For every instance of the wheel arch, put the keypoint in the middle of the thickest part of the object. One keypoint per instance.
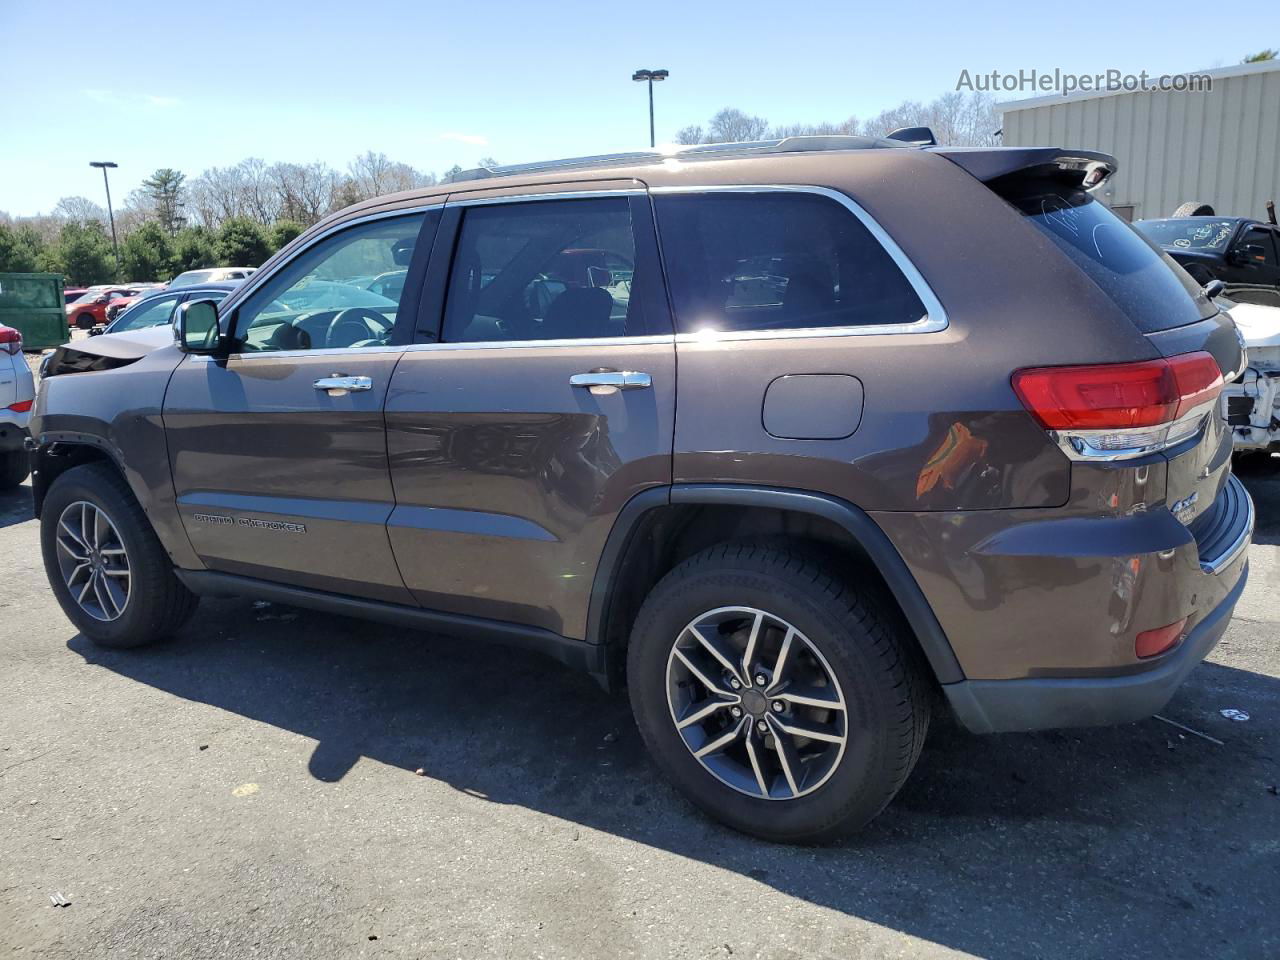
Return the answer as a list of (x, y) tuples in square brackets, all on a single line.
[(660, 527), (56, 455)]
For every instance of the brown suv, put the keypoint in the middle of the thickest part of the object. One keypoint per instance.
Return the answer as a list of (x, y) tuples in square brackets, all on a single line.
[(784, 437)]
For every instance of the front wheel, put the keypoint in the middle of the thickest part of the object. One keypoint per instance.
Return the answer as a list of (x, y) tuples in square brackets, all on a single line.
[(778, 699), (108, 570)]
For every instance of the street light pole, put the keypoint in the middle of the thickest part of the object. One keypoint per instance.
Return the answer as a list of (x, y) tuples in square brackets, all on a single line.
[(651, 76), (115, 247)]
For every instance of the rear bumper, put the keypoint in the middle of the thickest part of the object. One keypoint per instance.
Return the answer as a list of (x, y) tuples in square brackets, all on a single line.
[(995, 706)]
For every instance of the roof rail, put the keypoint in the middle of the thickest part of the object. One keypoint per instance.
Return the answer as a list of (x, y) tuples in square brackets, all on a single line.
[(699, 151)]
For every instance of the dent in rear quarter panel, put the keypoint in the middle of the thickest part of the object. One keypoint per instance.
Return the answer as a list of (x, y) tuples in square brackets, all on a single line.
[(119, 411)]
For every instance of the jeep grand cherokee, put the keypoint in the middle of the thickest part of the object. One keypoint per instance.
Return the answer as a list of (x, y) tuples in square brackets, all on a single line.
[(791, 439)]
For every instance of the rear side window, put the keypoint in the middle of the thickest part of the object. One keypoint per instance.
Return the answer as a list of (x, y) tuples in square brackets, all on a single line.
[(777, 261), (1139, 277)]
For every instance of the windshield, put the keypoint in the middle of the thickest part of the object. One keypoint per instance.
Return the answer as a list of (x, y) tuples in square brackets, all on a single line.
[(1139, 277), (191, 277), (89, 296), (1189, 233)]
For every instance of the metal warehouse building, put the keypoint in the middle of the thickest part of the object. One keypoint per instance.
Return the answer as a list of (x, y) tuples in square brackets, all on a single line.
[(1221, 147)]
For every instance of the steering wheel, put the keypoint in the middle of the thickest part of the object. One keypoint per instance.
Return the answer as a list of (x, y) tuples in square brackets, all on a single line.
[(353, 325)]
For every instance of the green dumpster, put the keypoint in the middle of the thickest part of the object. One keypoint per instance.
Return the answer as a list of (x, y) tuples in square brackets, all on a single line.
[(32, 303)]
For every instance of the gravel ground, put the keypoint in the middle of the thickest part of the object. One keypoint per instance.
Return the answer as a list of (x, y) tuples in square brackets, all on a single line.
[(276, 783)]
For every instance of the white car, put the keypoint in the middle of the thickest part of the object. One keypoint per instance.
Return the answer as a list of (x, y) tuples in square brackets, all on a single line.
[(17, 392), (212, 275), (1253, 399)]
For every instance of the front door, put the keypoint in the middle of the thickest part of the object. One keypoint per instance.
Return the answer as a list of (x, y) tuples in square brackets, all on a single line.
[(545, 402), (278, 452)]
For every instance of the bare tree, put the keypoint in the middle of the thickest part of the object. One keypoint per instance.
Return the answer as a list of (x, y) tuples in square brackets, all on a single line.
[(79, 210), (690, 134), (259, 197), (731, 125), (305, 190)]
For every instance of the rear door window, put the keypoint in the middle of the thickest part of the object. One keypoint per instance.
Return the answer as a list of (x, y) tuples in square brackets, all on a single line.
[(775, 261), (544, 270), (1140, 278)]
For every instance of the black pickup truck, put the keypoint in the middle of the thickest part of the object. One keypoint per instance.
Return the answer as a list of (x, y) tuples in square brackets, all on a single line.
[(1235, 250)]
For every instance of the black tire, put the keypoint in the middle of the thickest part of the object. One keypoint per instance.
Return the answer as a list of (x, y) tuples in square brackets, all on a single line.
[(158, 603), (15, 466), (85, 321), (1194, 208), (886, 693)]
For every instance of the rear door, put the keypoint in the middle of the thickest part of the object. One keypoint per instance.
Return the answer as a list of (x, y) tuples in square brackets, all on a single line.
[(278, 451), (539, 400)]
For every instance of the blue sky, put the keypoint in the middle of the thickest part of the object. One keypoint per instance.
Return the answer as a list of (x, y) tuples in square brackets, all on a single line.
[(185, 85)]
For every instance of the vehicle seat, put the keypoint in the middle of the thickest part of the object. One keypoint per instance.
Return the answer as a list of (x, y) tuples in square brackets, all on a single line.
[(579, 312), (289, 337)]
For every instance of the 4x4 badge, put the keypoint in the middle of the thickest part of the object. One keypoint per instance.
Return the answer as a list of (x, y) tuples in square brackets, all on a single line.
[(1182, 508)]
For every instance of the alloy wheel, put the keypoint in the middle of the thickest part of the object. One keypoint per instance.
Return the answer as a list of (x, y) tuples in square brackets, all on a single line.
[(93, 561), (756, 703)]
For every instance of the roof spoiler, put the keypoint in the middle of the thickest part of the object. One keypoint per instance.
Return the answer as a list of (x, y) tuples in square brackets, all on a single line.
[(916, 136), (1084, 168)]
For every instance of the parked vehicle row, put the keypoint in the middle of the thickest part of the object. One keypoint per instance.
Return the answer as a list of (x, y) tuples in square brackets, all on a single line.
[(734, 428)]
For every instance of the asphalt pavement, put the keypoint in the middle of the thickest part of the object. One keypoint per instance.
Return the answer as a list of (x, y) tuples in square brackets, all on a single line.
[(280, 784)]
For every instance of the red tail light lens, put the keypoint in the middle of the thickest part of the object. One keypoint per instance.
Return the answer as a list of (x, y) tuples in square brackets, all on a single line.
[(1118, 396), (1149, 643), (10, 341), (22, 406)]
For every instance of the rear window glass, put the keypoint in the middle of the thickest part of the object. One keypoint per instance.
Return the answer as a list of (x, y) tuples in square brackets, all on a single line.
[(770, 261), (1139, 277), (1194, 233)]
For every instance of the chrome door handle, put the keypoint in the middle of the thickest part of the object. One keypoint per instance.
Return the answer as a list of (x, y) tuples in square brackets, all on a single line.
[(612, 380), (339, 386)]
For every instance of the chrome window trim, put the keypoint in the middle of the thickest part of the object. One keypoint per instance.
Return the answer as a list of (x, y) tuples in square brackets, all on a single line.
[(646, 340), (261, 275), (933, 321)]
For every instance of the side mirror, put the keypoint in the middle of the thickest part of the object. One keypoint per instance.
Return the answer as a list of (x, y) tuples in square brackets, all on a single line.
[(195, 327), (599, 276), (1214, 288), (1247, 255), (100, 300)]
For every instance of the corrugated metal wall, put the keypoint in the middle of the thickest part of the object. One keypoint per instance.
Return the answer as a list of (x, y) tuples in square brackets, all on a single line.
[(1221, 147)]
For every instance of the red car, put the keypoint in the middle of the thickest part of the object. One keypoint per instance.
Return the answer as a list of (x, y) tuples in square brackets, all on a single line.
[(91, 307), (121, 304)]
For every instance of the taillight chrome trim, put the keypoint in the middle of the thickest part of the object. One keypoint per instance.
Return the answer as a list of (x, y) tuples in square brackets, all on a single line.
[(1077, 445)]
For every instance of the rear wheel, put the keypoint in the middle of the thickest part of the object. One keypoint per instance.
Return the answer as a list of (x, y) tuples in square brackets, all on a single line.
[(1194, 208), (108, 570), (14, 468), (778, 699)]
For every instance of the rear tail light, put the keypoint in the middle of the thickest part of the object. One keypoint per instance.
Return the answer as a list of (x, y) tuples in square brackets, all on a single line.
[(1117, 410), (22, 406), (1150, 643), (10, 341)]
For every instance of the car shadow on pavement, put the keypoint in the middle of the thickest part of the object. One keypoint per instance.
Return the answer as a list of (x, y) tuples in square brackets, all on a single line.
[(1109, 842), (16, 506)]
